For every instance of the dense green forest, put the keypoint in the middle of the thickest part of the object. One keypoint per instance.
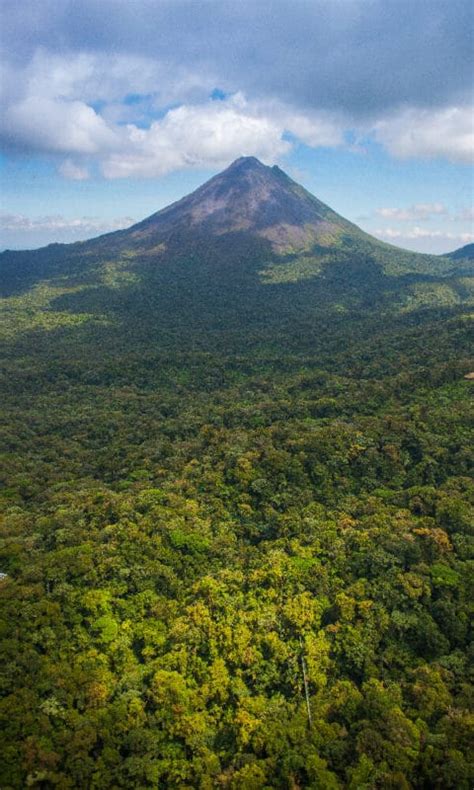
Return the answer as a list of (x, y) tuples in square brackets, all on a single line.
[(238, 516)]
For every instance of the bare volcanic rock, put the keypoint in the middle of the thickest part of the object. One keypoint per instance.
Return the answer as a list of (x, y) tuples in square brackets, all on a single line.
[(249, 196)]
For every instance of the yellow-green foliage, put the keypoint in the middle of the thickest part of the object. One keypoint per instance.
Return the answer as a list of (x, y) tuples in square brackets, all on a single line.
[(236, 533), (35, 310), (301, 268), (468, 284), (443, 294), (426, 294), (115, 275)]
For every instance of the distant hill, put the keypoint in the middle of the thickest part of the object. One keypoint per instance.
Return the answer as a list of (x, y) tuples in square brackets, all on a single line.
[(463, 253)]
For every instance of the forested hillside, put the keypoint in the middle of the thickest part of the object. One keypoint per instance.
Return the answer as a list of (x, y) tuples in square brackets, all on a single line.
[(238, 513)]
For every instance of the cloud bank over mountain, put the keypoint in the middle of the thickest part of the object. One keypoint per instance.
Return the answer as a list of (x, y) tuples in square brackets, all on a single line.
[(37, 230), (128, 90)]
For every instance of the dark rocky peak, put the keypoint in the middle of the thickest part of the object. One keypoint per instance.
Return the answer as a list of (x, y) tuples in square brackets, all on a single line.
[(252, 197)]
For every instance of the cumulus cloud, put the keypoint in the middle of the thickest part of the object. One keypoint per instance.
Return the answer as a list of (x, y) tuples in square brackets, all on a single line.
[(424, 212), (315, 129), (127, 85), (418, 212), (424, 239), (55, 125), (98, 106), (18, 231), (423, 233), (205, 134), (100, 76), (212, 134), (429, 133), (77, 102), (81, 225)]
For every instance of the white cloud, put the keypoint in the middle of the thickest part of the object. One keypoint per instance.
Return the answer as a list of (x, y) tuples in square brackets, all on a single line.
[(423, 239), (143, 116), (105, 107), (313, 129), (75, 172), (420, 211), (212, 133), (104, 77), (422, 233), (429, 133), (18, 231), (55, 125), (207, 134), (81, 225)]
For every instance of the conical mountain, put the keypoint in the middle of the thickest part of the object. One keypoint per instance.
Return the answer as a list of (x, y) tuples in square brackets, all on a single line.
[(286, 232), (255, 201), (251, 197)]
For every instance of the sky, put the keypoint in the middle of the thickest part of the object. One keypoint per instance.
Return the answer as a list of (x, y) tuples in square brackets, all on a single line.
[(112, 109)]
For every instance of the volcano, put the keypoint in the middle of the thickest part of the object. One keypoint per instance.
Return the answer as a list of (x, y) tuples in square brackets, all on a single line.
[(251, 197), (251, 207)]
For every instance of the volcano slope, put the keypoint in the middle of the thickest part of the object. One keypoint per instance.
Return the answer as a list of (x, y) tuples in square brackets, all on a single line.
[(237, 503)]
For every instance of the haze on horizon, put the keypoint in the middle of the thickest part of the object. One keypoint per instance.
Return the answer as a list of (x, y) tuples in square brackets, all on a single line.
[(112, 110)]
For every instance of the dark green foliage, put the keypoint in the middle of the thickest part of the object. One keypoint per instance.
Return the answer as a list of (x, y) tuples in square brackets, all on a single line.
[(466, 252)]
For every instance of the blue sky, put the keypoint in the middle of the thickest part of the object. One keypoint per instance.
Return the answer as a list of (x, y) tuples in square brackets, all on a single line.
[(113, 109)]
